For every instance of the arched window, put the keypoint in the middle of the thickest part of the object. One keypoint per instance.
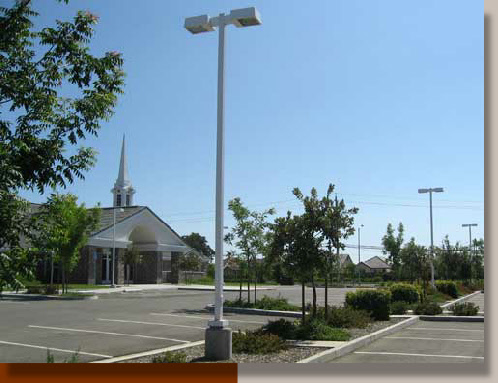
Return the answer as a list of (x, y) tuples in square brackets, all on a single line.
[(127, 200), (118, 199)]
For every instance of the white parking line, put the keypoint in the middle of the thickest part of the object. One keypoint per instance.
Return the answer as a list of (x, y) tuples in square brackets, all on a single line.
[(440, 339), (14, 302), (402, 353), (204, 318), (55, 349), (151, 323), (107, 333), (440, 328)]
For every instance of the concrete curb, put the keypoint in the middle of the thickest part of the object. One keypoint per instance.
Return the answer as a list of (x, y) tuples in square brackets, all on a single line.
[(42, 297), (328, 355), (451, 318), (449, 304), (149, 353), (241, 310), (225, 288)]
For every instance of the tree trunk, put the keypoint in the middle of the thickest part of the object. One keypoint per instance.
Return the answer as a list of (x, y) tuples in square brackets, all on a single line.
[(128, 274), (52, 270), (303, 303), (255, 280), (248, 285), (326, 296), (240, 287), (314, 296)]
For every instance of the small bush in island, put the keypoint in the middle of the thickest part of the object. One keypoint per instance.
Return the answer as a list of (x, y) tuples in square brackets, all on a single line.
[(313, 329), (404, 292), (465, 309), (170, 357), (265, 303), (256, 342), (448, 288), (428, 308), (399, 308), (376, 302), (317, 329), (345, 317)]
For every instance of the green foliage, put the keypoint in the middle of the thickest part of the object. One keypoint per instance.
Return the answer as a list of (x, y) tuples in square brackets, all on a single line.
[(428, 308), (345, 317), (63, 228), (74, 358), (392, 246), (170, 357), (374, 301), (447, 287), (399, 308), (404, 292), (285, 329), (41, 127), (265, 303), (256, 342), (317, 329), (465, 309), (249, 236), (210, 271), (199, 243)]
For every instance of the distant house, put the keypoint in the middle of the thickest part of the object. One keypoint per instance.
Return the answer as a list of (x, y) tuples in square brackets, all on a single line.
[(374, 265), (344, 260)]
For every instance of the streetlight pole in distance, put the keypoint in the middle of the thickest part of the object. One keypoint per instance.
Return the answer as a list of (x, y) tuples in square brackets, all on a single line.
[(469, 225), (218, 340), (359, 232), (430, 191)]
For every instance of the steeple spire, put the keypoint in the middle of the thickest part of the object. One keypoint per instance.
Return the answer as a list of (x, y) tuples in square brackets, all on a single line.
[(123, 167), (123, 191)]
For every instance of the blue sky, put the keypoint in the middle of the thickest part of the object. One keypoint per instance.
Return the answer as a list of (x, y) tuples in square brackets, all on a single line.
[(379, 98)]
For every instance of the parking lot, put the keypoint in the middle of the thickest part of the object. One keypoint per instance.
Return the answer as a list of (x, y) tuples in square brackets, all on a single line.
[(426, 342), (113, 325)]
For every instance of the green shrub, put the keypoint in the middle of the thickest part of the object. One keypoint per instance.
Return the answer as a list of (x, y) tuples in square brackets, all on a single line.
[(399, 308), (345, 317), (465, 309), (51, 290), (317, 329), (428, 308), (447, 287), (170, 357), (36, 289), (265, 303), (283, 328), (256, 342), (376, 302), (404, 292)]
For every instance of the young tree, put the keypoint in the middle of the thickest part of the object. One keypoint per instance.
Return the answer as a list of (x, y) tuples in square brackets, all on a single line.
[(392, 246), (40, 123), (199, 243), (131, 257), (336, 223), (188, 262), (412, 258), (63, 227), (248, 236)]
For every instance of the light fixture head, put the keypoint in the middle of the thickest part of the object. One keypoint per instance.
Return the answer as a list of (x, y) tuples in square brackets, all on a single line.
[(421, 191), (438, 190), (245, 17), (198, 24)]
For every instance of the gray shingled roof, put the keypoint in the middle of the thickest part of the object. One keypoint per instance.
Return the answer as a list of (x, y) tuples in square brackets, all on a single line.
[(107, 215), (377, 263)]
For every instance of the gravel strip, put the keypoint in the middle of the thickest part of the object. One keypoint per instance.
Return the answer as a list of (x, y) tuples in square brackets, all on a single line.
[(292, 355)]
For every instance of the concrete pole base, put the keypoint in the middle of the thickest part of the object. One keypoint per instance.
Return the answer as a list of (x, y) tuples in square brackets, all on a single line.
[(218, 343)]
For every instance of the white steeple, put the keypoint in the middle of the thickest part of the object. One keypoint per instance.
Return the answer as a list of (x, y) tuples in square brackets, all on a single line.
[(123, 191)]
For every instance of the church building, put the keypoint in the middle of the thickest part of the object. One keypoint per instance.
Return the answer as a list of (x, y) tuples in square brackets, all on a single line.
[(123, 227)]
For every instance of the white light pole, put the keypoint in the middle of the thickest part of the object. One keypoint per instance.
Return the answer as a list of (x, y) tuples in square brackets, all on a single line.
[(218, 344), (469, 225), (359, 232), (114, 242), (430, 191)]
